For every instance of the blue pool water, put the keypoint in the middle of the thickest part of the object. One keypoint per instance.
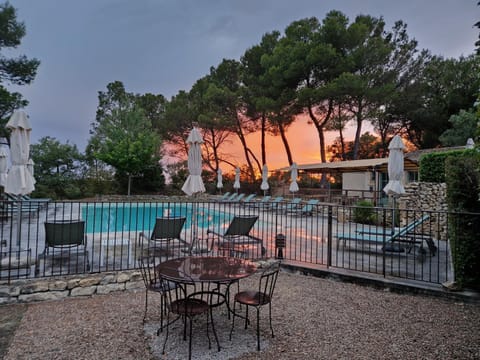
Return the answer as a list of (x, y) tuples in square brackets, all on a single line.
[(117, 217)]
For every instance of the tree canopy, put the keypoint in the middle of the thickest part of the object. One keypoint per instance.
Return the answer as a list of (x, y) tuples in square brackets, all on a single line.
[(122, 135), (13, 71)]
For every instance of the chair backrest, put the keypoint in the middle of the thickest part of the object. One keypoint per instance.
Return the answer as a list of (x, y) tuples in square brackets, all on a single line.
[(268, 280), (168, 228), (310, 204), (277, 200), (239, 197), (150, 276), (177, 288), (249, 198), (409, 227), (231, 197), (64, 233), (241, 225), (265, 199), (224, 196)]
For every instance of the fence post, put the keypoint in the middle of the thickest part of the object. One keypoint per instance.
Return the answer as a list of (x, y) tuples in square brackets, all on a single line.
[(329, 236), (384, 257)]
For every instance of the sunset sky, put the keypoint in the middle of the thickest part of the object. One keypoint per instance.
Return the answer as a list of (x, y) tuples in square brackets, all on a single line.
[(303, 140), (163, 47)]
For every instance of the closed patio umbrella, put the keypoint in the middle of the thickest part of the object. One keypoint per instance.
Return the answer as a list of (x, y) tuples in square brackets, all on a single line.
[(394, 186), (19, 180), (236, 184), (194, 183), (219, 179), (264, 186), (3, 164), (293, 177)]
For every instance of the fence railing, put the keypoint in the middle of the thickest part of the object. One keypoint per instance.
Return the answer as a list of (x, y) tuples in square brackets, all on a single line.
[(115, 234)]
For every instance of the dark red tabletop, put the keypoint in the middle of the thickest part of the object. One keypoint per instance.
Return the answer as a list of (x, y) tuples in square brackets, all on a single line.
[(207, 268)]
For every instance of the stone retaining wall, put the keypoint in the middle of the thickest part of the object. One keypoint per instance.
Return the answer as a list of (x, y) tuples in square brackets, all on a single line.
[(426, 196), (28, 290)]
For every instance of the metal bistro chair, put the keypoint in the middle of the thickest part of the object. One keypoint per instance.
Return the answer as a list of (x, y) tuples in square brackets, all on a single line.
[(258, 298), (186, 301), (153, 284)]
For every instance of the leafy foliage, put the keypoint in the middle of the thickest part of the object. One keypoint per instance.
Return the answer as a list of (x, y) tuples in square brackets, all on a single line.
[(58, 169), (16, 71), (463, 195), (463, 127), (122, 135), (363, 212), (432, 166)]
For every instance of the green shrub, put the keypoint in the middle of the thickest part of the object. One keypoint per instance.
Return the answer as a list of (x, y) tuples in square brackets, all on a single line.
[(463, 184), (364, 213), (432, 166)]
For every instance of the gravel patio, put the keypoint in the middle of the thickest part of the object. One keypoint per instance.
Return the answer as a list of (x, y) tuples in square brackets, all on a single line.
[(313, 318)]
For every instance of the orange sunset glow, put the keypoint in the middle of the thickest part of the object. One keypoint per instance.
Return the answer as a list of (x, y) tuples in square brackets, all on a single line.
[(303, 140)]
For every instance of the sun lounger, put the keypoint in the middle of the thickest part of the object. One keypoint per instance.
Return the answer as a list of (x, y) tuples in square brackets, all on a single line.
[(235, 198), (260, 203), (274, 204), (224, 196), (249, 199), (291, 206), (237, 234), (400, 241), (306, 209)]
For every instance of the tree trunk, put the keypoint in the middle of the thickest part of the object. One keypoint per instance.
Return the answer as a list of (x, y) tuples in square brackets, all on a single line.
[(358, 132), (285, 144), (243, 141), (319, 125), (129, 184)]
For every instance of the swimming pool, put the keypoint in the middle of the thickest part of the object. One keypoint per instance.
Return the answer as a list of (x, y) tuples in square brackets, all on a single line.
[(123, 217)]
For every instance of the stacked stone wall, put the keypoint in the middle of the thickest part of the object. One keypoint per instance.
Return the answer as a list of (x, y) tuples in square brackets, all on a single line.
[(426, 196), (28, 290)]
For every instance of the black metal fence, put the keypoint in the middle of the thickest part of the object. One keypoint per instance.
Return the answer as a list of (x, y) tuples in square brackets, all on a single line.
[(408, 244)]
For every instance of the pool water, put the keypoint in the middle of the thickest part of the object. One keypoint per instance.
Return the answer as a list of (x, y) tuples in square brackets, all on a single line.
[(118, 217)]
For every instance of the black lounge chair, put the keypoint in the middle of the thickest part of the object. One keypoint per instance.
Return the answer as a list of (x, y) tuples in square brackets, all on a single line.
[(66, 244), (238, 234), (165, 237)]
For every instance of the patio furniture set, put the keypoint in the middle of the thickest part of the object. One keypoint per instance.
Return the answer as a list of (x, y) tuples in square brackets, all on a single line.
[(197, 284)]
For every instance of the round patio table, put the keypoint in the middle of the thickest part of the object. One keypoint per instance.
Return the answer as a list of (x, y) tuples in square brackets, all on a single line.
[(216, 269)]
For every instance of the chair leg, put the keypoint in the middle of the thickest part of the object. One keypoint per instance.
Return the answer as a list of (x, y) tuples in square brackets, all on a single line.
[(270, 315), (258, 328), (146, 306), (166, 335), (246, 316), (214, 331), (233, 320), (208, 333), (190, 340), (162, 309)]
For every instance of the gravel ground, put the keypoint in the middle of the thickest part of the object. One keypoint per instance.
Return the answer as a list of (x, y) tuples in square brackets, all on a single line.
[(313, 318)]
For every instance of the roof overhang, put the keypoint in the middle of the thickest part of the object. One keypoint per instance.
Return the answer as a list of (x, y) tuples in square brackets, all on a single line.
[(362, 165)]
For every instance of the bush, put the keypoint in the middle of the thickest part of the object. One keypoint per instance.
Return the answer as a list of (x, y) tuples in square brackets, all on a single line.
[(364, 213), (463, 191), (432, 166)]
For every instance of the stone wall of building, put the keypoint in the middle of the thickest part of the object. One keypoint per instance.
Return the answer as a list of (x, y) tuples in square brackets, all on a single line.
[(424, 196), (28, 290)]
